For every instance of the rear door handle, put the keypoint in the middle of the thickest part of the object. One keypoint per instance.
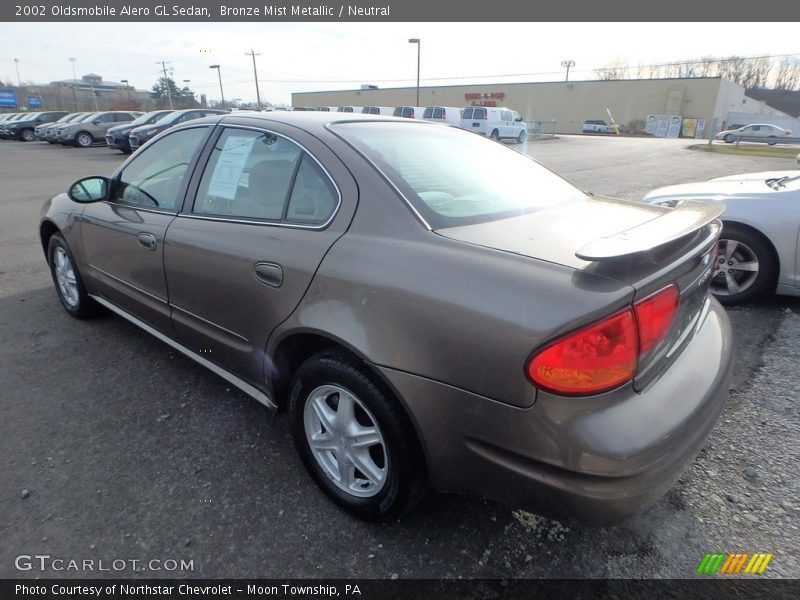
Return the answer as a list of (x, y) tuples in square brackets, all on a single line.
[(147, 241), (269, 273)]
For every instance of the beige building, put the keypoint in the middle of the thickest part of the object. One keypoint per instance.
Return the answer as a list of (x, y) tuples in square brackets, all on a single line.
[(569, 104)]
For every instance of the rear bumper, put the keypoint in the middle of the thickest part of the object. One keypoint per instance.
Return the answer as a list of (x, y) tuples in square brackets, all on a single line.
[(593, 460)]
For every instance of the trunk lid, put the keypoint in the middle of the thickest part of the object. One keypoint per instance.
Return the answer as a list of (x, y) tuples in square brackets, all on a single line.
[(645, 246)]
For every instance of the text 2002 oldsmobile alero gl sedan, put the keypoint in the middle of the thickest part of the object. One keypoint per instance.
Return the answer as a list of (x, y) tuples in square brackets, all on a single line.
[(431, 308)]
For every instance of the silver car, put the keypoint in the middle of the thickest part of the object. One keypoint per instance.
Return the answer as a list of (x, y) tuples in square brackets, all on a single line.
[(758, 250), (93, 129), (755, 132)]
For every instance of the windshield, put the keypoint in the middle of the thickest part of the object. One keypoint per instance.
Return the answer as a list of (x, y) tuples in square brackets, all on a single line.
[(148, 118), (170, 118), (454, 177), (67, 118), (88, 117)]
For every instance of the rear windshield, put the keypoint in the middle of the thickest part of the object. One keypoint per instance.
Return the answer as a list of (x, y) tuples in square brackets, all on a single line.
[(454, 177)]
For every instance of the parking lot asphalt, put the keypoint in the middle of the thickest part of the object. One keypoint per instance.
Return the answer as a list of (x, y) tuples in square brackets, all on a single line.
[(113, 446)]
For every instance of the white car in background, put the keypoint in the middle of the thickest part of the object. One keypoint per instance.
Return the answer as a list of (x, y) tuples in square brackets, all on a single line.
[(759, 249), (755, 132)]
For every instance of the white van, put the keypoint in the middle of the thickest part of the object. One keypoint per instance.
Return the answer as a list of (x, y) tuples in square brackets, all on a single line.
[(378, 110), (408, 112), (349, 109), (496, 123), (443, 114)]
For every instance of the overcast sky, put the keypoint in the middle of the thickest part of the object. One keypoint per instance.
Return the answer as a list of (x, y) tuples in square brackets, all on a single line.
[(315, 56)]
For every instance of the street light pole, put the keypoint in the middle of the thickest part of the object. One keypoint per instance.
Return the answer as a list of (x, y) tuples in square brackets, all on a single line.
[(19, 79), (419, 46), (255, 74), (567, 63), (74, 84), (219, 74)]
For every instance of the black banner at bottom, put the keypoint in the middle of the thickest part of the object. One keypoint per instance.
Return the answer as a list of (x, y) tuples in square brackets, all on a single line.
[(417, 589)]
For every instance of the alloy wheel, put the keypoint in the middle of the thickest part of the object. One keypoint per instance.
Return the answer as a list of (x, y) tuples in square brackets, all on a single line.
[(736, 269), (346, 441), (65, 276)]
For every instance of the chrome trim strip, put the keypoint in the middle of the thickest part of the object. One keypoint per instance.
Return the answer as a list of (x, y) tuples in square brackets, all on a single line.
[(207, 322), (130, 285), (263, 222), (229, 377)]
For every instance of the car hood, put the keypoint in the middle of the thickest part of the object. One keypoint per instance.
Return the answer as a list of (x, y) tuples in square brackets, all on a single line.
[(720, 190), (760, 176), (144, 128), (120, 128), (578, 233)]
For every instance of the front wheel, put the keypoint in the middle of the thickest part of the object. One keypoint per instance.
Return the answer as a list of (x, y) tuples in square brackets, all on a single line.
[(354, 438), (523, 135), (746, 267), (729, 139), (28, 135), (67, 279), (84, 139)]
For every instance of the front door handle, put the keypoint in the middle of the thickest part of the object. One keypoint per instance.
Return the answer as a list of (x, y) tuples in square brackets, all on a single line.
[(268, 273), (147, 241)]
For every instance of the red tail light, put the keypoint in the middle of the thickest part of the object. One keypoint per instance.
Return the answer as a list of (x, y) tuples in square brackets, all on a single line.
[(654, 317), (604, 355)]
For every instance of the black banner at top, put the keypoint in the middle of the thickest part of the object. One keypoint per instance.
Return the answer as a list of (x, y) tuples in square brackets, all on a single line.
[(395, 10)]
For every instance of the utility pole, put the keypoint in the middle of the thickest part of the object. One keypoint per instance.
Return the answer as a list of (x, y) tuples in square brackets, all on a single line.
[(127, 92), (567, 63), (19, 80), (166, 80), (219, 74), (255, 74), (418, 42)]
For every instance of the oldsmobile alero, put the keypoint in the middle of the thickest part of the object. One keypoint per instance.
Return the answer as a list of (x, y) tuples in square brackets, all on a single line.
[(431, 308)]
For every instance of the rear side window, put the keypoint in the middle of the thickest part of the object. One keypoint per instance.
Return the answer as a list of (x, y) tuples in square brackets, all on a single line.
[(428, 114), (453, 177), (398, 112), (467, 113), (264, 176), (479, 113)]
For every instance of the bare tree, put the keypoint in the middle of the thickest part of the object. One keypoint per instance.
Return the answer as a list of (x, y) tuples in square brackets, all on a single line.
[(788, 74), (617, 69)]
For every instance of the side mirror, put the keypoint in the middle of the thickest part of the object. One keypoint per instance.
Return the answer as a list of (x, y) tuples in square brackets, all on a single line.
[(89, 189)]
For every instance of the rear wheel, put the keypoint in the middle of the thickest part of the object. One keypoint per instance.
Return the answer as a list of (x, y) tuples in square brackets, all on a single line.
[(354, 438), (84, 139), (746, 267), (68, 281), (773, 140)]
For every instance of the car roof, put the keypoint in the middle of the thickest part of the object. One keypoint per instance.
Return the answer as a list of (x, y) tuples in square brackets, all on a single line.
[(308, 120)]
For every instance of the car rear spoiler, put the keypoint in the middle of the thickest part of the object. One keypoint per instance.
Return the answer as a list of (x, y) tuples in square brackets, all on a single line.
[(686, 218)]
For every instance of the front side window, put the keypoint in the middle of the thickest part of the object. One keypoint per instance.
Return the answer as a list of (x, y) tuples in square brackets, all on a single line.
[(453, 177), (154, 178), (264, 176)]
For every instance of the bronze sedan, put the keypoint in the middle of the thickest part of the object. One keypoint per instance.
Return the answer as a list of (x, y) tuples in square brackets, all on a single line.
[(432, 308)]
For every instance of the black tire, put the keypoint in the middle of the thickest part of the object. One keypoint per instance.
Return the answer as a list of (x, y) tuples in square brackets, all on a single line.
[(775, 140), (749, 245), (729, 139), (82, 306), (523, 135), (405, 482), (27, 135), (495, 135), (84, 139)]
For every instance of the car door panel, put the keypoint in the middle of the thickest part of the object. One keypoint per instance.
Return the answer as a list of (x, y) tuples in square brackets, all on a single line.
[(123, 238), (233, 280)]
